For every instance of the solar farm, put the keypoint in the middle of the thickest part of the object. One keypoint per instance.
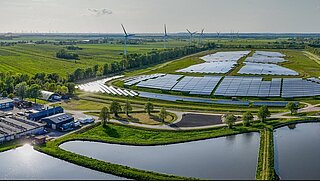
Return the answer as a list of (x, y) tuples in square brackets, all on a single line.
[(260, 63), (266, 69), (220, 63), (99, 86), (249, 87)]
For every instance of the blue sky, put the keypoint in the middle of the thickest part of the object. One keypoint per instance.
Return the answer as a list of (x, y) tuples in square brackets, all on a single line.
[(150, 15)]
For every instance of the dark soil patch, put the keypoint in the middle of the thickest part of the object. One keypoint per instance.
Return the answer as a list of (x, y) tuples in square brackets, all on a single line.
[(194, 120)]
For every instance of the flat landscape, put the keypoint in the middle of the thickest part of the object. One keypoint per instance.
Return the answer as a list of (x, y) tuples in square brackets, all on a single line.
[(159, 90)]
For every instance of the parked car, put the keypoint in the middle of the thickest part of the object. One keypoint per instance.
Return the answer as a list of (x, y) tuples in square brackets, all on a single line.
[(77, 124), (86, 120)]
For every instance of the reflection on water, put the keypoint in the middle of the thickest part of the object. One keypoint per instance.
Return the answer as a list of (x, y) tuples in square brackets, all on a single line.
[(26, 163), (292, 126), (297, 151), (232, 157)]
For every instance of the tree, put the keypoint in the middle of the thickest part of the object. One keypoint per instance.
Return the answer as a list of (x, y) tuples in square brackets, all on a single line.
[(34, 92), (247, 118), (229, 119), (104, 115), (4, 94), (263, 113), (148, 107), (64, 90), (163, 114), (115, 108), (127, 108), (21, 90), (292, 107)]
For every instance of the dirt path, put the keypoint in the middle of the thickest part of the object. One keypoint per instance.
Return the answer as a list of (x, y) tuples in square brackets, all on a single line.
[(265, 165), (312, 56)]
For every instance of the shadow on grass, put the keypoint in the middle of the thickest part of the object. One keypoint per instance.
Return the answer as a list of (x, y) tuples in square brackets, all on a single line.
[(111, 131)]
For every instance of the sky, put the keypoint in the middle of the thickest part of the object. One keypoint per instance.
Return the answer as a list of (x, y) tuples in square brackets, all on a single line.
[(149, 16)]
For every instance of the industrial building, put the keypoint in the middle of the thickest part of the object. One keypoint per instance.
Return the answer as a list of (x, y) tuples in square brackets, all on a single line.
[(50, 96), (45, 113), (12, 127), (6, 103), (60, 121)]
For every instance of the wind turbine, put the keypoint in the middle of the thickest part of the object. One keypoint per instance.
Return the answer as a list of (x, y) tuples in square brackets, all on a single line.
[(218, 35), (201, 36), (191, 35), (126, 35), (165, 37)]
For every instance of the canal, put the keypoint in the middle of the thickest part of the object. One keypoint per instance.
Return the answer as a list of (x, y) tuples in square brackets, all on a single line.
[(231, 157)]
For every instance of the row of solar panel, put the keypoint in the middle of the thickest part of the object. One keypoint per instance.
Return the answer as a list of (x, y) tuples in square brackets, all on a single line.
[(134, 80), (203, 100), (265, 69)]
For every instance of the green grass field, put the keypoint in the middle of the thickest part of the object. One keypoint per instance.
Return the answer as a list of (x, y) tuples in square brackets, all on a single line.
[(32, 58)]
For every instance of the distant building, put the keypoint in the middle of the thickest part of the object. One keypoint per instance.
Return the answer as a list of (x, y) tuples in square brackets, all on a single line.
[(50, 96), (45, 113), (60, 121), (6, 103)]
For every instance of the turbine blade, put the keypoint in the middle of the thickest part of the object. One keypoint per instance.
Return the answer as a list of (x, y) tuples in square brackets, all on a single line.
[(124, 30), (189, 31), (165, 30)]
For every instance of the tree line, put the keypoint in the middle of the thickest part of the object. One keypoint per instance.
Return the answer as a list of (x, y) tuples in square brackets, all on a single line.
[(137, 60), (13, 84)]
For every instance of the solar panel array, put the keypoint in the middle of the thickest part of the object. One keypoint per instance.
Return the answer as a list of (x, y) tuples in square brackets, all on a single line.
[(133, 80), (263, 59), (269, 54), (210, 67), (297, 87), (225, 56), (99, 86), (248, 86), (209, 101), (220, 62), (197, 85), (266, 69), (313, 79), (165, 82)]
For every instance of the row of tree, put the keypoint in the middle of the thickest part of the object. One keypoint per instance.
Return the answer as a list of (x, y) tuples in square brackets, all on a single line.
[(136, 60), (262, 115), (50, 82), (115, 108), (247, 117)]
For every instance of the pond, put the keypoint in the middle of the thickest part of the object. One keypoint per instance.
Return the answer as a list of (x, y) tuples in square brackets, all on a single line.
[(297, 151), (26, 163), (231, 157)]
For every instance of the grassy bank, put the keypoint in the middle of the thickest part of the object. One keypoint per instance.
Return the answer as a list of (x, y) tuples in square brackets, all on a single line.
[(10, 145)]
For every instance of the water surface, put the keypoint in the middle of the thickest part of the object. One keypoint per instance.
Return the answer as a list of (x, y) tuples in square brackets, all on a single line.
[(26, 163), (231, 157), (297, 151)]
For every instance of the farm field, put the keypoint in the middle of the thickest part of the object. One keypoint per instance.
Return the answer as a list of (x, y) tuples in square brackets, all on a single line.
[(32, 58)]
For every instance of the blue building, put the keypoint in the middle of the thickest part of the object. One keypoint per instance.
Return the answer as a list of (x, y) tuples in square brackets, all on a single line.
[(45, 113), (60, 121), (6, 103)]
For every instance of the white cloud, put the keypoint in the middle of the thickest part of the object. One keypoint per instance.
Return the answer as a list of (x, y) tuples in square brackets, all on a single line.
[(99, 12)]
